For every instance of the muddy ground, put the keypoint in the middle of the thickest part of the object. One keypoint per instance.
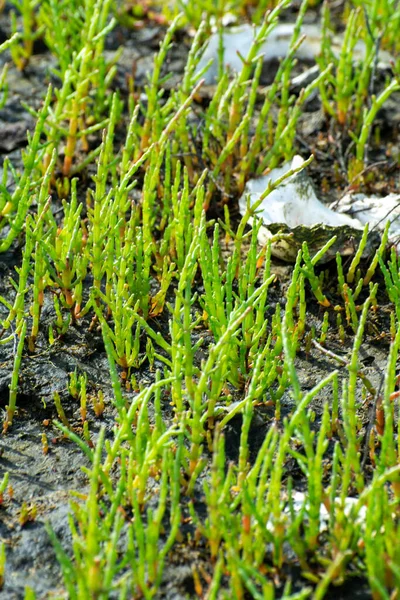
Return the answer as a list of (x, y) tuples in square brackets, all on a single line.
[(45, 480)]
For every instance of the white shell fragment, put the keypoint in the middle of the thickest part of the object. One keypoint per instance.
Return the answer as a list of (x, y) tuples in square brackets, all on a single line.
[(275, 47), (240, 39), (374, 210), (294, 204), (300, 500)]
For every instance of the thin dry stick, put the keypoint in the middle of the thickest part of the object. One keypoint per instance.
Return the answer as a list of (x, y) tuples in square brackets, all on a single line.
[(375, 394), (346, 363)]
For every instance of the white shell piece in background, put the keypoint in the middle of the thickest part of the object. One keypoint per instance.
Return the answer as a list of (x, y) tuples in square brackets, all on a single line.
[(240, 39), (275, 47), (373, 210), (300, 500)]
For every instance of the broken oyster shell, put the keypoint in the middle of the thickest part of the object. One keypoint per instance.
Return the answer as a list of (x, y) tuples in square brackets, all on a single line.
[(295, 213)]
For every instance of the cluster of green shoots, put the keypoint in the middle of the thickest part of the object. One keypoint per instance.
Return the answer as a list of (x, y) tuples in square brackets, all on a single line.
[(132, 252), (349, 92)]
